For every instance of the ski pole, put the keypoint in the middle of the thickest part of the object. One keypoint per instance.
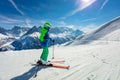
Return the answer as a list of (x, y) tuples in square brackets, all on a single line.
[(53, 51)]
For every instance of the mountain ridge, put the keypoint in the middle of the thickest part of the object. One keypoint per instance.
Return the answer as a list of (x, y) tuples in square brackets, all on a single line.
[(30, 38), (100, 33)]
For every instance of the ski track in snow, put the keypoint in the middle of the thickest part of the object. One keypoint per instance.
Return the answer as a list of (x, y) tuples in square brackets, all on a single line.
[(88, 62)]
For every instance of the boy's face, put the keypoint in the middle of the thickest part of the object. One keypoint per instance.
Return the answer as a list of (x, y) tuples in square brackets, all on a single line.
[(47, 28)]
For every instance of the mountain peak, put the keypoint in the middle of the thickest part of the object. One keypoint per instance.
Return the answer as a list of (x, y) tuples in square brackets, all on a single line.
[(18, 31), (32, 30), (3, 31)]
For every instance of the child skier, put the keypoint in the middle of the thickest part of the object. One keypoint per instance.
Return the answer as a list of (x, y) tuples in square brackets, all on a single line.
[(45, 40)]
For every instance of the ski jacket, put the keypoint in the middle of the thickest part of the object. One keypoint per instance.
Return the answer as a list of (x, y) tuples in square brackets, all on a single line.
[(44, 37)]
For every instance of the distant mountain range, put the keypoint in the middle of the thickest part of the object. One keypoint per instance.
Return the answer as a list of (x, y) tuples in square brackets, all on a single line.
[(28, 38), (19, 38), (18, 31)]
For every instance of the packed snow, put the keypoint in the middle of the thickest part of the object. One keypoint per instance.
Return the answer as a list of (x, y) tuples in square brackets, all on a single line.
[(3, 36), (87, 62)]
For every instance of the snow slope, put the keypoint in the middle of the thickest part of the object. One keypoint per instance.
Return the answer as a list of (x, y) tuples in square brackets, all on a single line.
[(5, 38), (88, 62), (113, 36), (107, 32)]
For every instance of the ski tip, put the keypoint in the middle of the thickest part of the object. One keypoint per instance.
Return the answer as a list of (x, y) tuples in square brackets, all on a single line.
[(57, 61)]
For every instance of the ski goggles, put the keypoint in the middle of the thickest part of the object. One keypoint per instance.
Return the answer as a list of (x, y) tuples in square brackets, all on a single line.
[(47, 28)]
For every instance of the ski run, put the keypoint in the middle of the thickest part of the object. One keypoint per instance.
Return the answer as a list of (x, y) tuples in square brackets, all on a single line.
[(87, 62)]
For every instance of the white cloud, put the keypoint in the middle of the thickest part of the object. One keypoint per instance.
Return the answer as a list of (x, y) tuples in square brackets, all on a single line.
[(72, 26), (81, 5), (15, 6), (28, 23), (91, 19), (105, 2), (42, 21), (4, 19), (62, 23), (89, 28)]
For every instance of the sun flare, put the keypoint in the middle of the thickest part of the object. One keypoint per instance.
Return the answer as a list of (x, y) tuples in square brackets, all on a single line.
[(86, 1)]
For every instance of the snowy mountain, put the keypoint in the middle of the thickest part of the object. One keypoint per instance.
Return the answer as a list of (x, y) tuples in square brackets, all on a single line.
[(18, 31), (5, 37), (64, 34), (4, 31), (23, 39), (8, 37), (29, 38), (107, 32)]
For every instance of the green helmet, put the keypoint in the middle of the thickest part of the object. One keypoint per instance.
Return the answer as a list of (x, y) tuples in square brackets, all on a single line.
[(47, 24)]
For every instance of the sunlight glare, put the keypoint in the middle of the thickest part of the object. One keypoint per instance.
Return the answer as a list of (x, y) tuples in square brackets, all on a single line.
[(86, 1)]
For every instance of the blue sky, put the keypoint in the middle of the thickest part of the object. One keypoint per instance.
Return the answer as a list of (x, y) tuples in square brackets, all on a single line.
[(83, 14)]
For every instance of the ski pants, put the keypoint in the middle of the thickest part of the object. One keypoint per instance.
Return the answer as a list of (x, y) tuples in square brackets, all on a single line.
[(45, 52)]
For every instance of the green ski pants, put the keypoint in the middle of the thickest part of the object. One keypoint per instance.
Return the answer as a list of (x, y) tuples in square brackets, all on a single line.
[(45, 53)]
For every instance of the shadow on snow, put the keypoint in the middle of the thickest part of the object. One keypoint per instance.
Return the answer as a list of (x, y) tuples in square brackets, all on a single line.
[(29, 74)]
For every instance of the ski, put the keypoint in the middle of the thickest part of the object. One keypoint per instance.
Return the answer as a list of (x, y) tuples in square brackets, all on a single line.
[(55, 65), (60, 66), (57, 61)]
